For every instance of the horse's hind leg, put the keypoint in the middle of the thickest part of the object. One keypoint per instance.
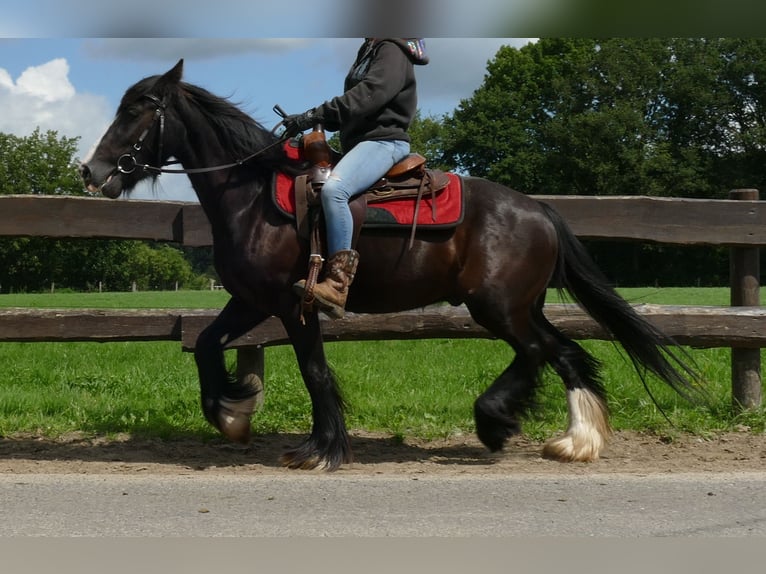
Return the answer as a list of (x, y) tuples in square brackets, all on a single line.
[(536, 342), (226, 403), (588, 427), (498, 410)]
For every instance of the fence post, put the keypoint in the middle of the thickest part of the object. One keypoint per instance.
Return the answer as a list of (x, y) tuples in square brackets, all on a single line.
[(250, 367), (744, 269)]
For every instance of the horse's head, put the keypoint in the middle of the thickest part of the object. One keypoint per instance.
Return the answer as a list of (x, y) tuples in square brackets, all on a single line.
[(133, 146)]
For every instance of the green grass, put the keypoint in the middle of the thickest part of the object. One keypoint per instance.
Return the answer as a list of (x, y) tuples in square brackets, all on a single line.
[(407, 388), (122, 300)]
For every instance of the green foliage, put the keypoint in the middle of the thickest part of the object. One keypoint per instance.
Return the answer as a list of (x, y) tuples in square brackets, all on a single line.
[(158, 267), (627, 116), (34, 264), (39, 164), (426, 136), (675, 117)]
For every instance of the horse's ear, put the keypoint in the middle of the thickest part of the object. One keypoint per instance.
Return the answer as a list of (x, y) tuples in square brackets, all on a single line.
[(175, 74)]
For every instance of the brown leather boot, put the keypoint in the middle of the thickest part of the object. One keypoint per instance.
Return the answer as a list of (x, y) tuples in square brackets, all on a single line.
[(331, 294)]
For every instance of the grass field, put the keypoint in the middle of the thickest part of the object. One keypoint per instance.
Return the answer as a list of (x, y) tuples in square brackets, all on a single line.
[(407, 388)]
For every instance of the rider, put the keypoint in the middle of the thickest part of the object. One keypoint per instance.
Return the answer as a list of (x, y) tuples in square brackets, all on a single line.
[(372, 115)]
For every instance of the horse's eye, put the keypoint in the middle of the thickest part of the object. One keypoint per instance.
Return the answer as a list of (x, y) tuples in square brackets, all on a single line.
[(134, 110)]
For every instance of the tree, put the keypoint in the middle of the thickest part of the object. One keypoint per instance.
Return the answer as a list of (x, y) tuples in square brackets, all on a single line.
[(629, 116), (427, 139), (718, 112), (39, 164), (159, 267), (34, 263), (681, 117)]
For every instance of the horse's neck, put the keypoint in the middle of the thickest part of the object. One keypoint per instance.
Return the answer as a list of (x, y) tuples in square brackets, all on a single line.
[(228, 199), (226, 195)]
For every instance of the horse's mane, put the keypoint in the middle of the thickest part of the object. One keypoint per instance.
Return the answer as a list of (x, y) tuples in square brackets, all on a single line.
[(238, 133)]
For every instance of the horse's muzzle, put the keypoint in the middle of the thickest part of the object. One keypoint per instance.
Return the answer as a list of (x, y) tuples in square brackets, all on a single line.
[(101, 181)]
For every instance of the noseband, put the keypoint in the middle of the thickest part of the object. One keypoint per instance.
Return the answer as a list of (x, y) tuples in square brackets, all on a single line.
[(127, 162)]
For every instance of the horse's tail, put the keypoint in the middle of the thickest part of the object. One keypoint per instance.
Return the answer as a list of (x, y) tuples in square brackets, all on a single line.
[(645, 344)]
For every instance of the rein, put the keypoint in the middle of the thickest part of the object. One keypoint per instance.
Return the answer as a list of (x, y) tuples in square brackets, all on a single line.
[(127, 162)]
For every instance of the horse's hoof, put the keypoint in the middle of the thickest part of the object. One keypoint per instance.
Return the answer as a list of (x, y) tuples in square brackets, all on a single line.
[(308, 457), (294, 461), (234, 419), (493, 428)]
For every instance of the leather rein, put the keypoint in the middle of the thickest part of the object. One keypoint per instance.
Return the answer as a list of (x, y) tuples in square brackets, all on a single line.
[(127, 162)]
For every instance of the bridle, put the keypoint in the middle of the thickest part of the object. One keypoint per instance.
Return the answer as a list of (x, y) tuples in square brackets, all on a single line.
[(127, 162), (159, 114)]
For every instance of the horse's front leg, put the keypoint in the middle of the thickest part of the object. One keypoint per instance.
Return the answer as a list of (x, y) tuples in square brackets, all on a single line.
[(226, 402), (327, 447)]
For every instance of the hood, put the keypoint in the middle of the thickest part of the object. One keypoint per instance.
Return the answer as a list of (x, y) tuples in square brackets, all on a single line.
[(415, 48)]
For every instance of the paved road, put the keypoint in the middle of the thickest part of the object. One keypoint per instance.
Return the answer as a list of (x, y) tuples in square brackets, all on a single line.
[(693, 505)]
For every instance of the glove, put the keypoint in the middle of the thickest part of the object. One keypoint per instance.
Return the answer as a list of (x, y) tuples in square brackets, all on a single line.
[(296, 123)]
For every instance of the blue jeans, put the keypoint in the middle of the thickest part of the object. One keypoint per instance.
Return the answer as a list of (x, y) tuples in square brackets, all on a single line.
[(360, 168)]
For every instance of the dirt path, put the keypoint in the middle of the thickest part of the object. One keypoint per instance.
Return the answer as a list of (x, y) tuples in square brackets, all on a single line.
[(628, 452)]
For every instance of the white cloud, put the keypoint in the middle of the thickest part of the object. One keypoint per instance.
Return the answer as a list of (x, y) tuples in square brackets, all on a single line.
[(43, 97), (48, 82), (6, 82)]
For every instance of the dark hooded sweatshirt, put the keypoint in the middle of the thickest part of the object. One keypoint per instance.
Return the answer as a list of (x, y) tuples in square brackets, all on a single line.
[(380, 97)]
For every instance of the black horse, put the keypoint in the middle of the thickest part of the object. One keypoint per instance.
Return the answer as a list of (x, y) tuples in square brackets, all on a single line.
[(499, 262)]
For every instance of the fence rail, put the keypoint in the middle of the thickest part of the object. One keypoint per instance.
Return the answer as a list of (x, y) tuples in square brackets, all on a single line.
[(647, 219), (738, 327), (739, 223)]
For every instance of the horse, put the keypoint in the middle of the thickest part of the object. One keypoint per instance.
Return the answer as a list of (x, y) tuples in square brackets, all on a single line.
[(499, 262)]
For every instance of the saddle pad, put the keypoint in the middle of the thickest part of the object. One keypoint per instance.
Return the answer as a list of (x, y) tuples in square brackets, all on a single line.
[(391, 213), (447, 211)]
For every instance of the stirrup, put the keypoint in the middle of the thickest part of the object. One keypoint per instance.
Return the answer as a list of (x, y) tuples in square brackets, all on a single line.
[(305, 287), (315, 266)]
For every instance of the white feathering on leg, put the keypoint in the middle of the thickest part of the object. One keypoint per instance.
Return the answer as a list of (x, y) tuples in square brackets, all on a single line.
[(587, 432)]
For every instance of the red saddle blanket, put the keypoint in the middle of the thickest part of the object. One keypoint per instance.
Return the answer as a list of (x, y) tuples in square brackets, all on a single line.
[(448, 208)]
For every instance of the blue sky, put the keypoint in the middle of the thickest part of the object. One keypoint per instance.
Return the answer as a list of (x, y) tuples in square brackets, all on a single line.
[(73, 85)]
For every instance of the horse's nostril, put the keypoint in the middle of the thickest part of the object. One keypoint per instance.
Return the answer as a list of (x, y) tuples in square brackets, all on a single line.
[(85, 172)]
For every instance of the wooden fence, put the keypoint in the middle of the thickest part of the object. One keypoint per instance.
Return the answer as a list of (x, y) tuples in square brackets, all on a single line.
[(739, 223)]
